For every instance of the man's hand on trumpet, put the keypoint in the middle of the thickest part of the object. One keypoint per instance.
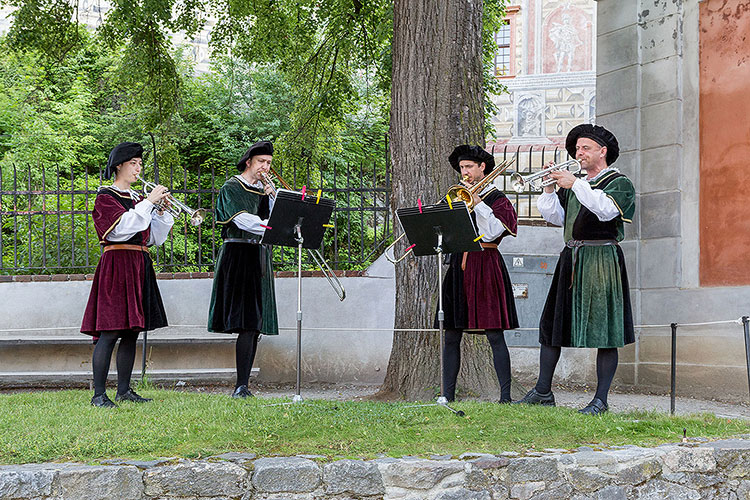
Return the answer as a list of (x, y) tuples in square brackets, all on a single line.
[(268, 186), (158, 194), (564, 178)]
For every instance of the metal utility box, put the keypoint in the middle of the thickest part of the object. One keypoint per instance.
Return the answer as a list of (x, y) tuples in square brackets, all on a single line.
[(531, 276)]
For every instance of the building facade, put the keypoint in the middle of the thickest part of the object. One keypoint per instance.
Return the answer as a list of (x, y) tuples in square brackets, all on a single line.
[(546, 58)]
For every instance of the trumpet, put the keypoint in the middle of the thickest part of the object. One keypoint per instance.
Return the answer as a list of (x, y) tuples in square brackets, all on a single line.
[(314, 254), (536, 180), (458, 193), (175, 206)]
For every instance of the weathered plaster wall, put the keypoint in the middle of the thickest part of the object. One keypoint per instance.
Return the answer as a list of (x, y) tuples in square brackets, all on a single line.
[(724, 142), (648, 95)]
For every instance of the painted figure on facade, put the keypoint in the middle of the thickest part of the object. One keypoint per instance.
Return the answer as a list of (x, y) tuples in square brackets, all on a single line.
[(477, 291), (243, 300), (565, 37), (125, 298), (530, 117), (589, 300)]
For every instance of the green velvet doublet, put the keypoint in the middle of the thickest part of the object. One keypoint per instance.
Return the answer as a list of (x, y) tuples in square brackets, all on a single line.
[(243, 296), (589, 300)]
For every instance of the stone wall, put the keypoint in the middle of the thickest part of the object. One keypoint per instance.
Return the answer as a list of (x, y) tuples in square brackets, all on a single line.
[(694, 470), (647, 86)]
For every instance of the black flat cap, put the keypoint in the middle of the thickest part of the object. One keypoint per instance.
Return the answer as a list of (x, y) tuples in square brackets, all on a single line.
[(125, 151), (259, 148), (596, 133), (473, 153)]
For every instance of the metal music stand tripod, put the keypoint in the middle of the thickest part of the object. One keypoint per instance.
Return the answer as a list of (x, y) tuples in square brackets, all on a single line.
[(435, 230), (297, 221)]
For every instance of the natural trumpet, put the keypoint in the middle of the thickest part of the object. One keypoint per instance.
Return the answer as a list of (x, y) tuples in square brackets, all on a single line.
[(175, 206), (519, 182)]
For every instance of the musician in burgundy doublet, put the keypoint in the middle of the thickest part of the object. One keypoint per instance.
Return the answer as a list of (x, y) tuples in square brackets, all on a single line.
[(124, 298), (477, 291)]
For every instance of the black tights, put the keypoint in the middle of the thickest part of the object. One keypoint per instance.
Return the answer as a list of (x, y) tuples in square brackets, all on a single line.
[(247, 345), (125, 359), (606, 366), (452, 361)]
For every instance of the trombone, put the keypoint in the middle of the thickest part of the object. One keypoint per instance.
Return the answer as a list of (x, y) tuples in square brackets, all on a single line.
[(175, 206), (519, 182), (458, 193), (314, 253)]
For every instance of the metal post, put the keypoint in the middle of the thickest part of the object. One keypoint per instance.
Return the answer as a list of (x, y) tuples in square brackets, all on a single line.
[(746, 326), (673, 390), (442, 400), (441, 320), (297, 396)]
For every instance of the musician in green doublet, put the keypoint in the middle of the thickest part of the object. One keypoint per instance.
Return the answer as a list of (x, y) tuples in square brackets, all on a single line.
[(243, 299), (589, 300)]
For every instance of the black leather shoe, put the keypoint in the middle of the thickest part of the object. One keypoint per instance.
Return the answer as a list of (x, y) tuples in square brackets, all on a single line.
[(535, 398), (595, 407), (242, 392), (505, 401), (132, 397), (102, 401)]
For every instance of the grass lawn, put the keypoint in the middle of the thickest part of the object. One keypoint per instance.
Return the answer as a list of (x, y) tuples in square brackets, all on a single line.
[(61, 426)]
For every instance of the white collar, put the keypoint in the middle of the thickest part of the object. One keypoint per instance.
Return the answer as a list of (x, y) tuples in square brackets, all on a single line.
[(246, 182), (133, 194)]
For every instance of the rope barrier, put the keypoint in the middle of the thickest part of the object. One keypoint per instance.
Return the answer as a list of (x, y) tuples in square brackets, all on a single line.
[(332, 329)]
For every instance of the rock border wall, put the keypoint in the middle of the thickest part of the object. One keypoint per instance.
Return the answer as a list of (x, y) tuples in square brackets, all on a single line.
[(691, 471)]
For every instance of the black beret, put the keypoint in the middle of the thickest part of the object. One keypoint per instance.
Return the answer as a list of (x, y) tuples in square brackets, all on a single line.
[(596, 133), (473, 153), (259, 148), (125, 151)]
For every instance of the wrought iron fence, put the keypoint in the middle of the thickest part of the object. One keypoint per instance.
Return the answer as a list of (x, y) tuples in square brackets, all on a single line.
[(46, 225)]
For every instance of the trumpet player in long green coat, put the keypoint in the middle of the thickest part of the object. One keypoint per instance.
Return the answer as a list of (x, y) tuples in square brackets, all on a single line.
[(243, 300), (589, 300)]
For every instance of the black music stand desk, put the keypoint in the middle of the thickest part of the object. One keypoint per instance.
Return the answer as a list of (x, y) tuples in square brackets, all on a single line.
[(435, 230), (297, 221)]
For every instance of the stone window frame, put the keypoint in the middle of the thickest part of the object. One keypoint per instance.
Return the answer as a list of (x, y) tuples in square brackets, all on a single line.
[(502, 70)]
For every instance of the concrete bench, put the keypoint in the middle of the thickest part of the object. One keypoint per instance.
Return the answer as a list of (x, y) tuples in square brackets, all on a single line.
[(80, 378)]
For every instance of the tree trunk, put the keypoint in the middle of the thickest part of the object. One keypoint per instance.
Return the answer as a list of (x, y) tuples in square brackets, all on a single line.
[(437, 104)]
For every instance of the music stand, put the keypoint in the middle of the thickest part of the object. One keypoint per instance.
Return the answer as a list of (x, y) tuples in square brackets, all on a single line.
[(435, 230), (297, 220)]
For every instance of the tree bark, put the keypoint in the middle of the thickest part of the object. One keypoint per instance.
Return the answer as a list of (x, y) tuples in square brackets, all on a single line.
[(437, 104)]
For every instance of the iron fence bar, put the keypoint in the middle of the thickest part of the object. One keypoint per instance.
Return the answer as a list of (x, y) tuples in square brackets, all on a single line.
[(374, 203), (44, 221), (28, 218), (15, 219), (86, 219), (361, 216), (348, 219), (199, 255), (72, 221), (336, 259), (213, 219)]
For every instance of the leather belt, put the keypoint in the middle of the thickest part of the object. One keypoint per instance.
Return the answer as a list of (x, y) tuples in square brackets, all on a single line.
[(484, 245), (242, 240), (576, 244), (125, 246)]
